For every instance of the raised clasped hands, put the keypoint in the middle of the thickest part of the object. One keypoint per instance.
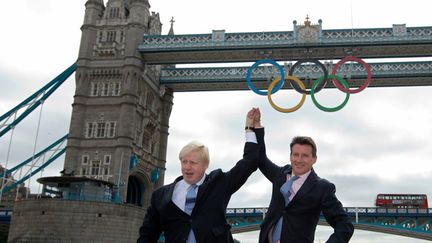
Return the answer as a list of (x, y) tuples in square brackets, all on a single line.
[(253, 118)]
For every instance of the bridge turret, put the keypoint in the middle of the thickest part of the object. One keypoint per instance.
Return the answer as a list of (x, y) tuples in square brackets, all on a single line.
[(94, 11), (116, 10), (139, 12)]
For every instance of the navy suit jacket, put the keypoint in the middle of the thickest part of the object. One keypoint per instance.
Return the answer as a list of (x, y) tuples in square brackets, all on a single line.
[(208, 216), (301, 216)]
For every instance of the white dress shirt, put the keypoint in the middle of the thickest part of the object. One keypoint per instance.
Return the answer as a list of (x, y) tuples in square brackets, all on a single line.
[(180, 191)]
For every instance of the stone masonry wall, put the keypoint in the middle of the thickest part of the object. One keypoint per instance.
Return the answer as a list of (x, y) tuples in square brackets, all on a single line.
[(56, 220)]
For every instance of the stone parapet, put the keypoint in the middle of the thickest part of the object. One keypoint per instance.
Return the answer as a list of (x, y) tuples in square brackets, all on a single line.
[(56, 220)]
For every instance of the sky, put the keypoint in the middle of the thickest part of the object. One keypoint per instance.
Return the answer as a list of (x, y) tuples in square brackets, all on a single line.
[(378, 143)]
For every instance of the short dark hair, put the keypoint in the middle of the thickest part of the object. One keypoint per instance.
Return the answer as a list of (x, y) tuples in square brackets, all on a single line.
[(302, 140)]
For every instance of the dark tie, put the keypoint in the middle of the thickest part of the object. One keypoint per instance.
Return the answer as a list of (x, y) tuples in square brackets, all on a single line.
[(189, 205), (286, 192)]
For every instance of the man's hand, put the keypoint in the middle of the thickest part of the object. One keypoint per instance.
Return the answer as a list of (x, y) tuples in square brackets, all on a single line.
[(257, 118), (250, 118)]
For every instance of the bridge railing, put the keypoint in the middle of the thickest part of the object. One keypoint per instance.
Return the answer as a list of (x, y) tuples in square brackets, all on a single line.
[(369, 211)]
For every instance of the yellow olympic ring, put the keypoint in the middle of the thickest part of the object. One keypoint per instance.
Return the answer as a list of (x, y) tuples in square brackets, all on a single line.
[(286, 110)]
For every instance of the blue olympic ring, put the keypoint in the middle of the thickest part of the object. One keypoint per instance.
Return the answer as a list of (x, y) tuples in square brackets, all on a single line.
[(249, 72)]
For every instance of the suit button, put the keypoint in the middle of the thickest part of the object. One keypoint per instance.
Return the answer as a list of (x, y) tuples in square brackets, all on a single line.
[(190, 220), (284, 211)]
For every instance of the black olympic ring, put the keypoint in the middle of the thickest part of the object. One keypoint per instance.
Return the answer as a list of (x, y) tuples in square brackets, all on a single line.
[(321, 85)]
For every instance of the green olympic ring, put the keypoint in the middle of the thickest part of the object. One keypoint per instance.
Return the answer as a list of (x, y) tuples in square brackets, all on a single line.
[(329, 109)]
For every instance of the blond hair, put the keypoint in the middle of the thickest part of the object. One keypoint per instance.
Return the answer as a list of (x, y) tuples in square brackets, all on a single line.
[(197, 147)]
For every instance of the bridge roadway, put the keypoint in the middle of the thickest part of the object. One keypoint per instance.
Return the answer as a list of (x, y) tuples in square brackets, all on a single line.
[(384, 74), (414, 223), (305, 41)]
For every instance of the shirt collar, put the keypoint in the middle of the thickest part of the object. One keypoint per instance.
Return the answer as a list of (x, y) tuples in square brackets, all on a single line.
[(304, 176), (199, 183)]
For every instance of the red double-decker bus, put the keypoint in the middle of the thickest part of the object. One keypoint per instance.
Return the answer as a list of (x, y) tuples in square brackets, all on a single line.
[(401, 201)]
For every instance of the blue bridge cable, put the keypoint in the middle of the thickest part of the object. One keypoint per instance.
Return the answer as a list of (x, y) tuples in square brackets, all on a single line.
[(52, 159), (47, 90), (8, 172)]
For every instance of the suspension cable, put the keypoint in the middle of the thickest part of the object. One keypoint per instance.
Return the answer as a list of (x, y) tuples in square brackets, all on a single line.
[(34, 147)]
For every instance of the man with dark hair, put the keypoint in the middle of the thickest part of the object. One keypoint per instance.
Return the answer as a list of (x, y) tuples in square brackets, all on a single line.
[(299, 196)]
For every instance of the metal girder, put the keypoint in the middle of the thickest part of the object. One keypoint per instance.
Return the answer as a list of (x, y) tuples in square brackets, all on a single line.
[(321, 44), (386, 74)]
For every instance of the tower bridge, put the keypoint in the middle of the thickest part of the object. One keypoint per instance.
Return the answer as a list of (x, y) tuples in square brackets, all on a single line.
[(125, 82)]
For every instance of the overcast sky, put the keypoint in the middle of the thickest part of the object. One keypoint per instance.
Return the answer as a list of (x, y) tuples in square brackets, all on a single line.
[(379, 143)]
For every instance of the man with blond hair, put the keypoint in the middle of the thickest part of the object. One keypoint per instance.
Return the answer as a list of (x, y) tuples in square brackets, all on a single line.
[(192, 208)]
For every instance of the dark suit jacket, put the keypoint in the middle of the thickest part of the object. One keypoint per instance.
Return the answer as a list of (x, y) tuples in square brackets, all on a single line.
[(301, 216), (208, 216)]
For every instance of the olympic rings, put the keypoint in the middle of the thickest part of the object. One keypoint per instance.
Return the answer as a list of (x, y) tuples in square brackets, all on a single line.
[(257, 63), (318, 63), (365, 65), (317, 85), (296, 107), (329, 109)]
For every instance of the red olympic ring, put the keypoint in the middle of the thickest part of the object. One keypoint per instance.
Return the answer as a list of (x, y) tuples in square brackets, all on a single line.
[(355, 59)]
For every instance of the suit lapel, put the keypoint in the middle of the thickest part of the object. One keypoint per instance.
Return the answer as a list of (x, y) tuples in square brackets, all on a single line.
[(202, 189), (168, 196), (283, 178), (306, 187)]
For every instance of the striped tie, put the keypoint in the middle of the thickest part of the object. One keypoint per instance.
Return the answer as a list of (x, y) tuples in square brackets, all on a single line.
[(189, 205), (190, 199)]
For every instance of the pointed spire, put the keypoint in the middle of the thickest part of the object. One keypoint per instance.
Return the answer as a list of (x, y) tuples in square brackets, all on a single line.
[(171, 31)]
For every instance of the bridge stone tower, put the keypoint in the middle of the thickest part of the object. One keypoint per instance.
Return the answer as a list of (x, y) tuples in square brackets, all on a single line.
[(120, 117)]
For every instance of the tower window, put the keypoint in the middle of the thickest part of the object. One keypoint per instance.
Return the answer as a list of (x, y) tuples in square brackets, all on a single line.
[(114, 13), (85, 159), (116, 89), (90, 128), (100, 132), (105, 89), (111, 129), (111, 37), (95, 167), (122, 36), (104, 129), (107, 159), (94, 91)]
